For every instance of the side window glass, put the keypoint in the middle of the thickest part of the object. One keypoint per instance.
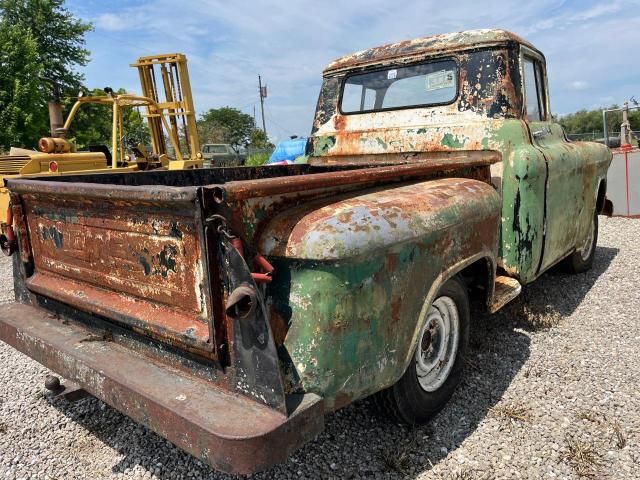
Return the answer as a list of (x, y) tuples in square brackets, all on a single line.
[(357, 98), (532, 95), (542, 100)]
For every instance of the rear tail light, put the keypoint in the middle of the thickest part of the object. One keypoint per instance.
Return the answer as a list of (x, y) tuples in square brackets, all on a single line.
[(53, 166)]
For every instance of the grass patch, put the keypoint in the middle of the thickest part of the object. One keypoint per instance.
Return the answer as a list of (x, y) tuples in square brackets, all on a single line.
[(619, 435), (40, 396), (256, 159), (532, 314), (472, 364), (511, 412), (398, 459), (589, 416), (544, 318), (582, 456), (461, 475), (466, 474)]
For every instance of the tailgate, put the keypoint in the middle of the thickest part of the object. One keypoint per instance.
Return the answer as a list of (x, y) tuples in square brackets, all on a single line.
[(132, 254)]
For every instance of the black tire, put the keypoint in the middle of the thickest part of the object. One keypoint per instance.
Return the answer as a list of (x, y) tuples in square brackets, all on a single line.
[(577, 262), (407, 401)]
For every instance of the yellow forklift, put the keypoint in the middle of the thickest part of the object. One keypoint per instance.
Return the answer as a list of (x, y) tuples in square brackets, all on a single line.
[(168, 107)]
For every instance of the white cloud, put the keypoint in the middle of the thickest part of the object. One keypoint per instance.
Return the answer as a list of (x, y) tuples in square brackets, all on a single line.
[(111, 22), (579, 85), (597, 11)]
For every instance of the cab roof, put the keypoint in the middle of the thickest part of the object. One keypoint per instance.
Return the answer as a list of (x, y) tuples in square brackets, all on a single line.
[(423, 46)]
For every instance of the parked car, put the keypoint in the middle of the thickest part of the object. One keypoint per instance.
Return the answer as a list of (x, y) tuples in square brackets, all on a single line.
[(220, 155), (229, 309)]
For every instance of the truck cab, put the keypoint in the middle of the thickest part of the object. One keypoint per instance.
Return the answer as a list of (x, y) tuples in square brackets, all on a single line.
[(480, 90)]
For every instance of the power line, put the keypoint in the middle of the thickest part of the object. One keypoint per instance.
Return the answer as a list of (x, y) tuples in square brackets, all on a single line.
[(280, 127)]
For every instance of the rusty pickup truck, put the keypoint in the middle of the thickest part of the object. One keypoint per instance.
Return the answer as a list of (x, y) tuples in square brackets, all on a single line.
[(228, 309)]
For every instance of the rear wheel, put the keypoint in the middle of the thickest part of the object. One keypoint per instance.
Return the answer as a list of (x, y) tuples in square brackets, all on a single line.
[(581, 259), (437, 364)]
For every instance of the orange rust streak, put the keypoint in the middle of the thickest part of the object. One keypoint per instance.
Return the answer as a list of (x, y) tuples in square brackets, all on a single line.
[(119, 307)]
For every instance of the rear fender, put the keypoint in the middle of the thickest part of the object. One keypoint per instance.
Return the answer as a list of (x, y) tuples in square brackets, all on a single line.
[(355, 275), (359, 224)]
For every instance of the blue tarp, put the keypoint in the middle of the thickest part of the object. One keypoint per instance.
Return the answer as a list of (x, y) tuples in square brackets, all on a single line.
[(288, 150)]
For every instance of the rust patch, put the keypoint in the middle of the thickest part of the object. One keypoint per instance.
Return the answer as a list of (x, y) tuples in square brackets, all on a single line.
[(339, 122), (427, 46), (342, 400), (147, 272)]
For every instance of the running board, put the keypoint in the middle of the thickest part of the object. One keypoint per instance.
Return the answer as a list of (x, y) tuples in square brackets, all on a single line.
[(506, 289)]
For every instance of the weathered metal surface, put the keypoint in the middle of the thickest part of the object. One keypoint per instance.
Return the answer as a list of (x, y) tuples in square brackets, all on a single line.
[(250, 204), (257, 372), (134, 261), (243, 190), (410, 50), (28, 163), (506, 289), (488, 114), (490, 86), (343, 228), (352, 274), (574, 172), (229, 432)]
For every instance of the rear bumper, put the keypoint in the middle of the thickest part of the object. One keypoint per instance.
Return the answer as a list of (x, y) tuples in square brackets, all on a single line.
[(229, 432)]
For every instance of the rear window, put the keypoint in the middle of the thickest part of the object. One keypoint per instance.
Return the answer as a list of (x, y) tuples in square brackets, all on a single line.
[(214, 149), (419, 85)]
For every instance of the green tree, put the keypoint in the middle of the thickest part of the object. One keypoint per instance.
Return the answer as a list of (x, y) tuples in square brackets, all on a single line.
[(588, 121), (19, 87), (59, 37), (233, 126), (51, 40), (210, 132), (259, 140)]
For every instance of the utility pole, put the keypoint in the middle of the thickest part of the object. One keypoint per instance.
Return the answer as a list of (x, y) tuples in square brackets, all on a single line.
[(263, 95)]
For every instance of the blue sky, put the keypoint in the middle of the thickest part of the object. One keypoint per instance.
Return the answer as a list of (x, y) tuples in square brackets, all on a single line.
[(591, 47)]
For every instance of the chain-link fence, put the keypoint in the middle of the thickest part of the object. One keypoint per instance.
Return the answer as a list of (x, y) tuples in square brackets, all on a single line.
[(614, 137)]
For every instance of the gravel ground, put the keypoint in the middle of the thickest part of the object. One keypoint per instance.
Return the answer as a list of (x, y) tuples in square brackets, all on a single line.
[(551, 391)]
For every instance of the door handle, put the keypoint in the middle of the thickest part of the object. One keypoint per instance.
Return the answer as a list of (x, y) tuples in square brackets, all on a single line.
[(539, 134)]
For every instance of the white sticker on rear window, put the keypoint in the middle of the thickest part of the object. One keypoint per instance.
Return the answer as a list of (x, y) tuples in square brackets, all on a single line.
[(440, 79), (392, 74)]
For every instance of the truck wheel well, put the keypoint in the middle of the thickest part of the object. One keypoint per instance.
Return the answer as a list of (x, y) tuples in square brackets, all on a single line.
[(478, 277), (602, 192)]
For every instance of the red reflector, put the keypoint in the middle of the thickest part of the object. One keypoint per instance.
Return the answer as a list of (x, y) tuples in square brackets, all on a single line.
[(53, 166)]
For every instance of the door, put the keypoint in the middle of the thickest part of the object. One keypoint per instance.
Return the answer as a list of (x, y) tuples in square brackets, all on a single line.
[(564, 190)]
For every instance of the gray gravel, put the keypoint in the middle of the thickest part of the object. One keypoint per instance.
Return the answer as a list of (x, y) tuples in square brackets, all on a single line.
[(551, 391)]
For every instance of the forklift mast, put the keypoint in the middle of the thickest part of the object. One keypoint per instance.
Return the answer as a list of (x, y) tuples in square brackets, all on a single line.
[(168, 73)]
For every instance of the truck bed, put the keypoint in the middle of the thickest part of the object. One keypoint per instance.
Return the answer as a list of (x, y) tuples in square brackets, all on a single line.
[(150, 263)]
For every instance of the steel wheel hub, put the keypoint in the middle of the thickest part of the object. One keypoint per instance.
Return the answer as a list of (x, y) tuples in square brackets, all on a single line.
[(438, 344)]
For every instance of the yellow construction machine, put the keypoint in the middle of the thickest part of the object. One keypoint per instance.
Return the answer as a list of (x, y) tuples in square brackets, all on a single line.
[(170, 117)]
